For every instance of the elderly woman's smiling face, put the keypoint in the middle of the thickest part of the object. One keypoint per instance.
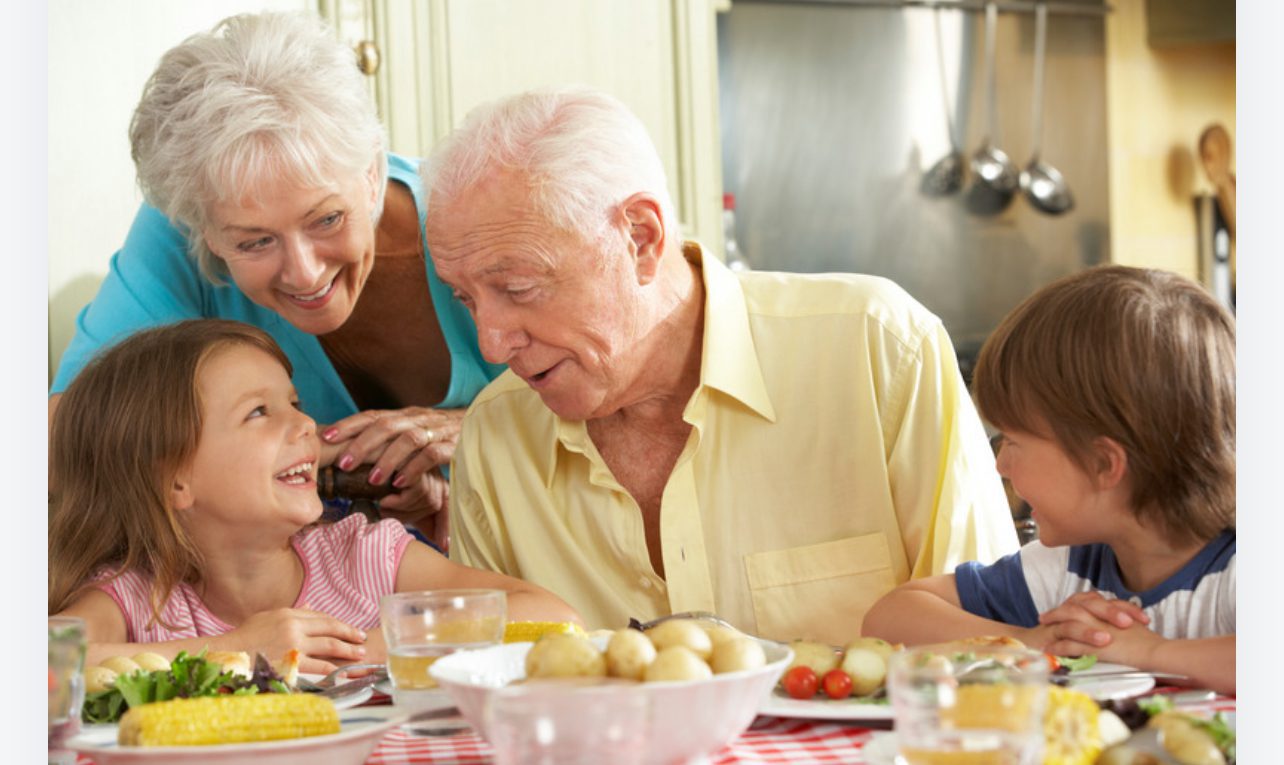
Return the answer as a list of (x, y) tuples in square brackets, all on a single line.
[(303, 252)]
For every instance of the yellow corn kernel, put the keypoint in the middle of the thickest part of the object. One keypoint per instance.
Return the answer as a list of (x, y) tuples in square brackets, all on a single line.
[(1072, 735), (529, 632), (228, 719)]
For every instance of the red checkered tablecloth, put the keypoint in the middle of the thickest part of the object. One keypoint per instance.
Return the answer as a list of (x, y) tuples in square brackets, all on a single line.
[(771, 740)]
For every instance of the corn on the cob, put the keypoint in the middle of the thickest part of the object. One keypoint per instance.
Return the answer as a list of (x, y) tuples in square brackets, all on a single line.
[(1071, 733), (228, 719), (529, 632)]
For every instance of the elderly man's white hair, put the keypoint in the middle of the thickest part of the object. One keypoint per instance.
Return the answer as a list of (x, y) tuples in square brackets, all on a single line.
[(582, 152), (271, 95)]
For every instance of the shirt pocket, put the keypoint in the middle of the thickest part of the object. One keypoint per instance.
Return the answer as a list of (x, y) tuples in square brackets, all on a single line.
[(819, 592)]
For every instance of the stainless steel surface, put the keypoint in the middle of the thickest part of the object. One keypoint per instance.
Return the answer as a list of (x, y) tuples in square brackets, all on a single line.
[(351, 687), (1042, 183), (830, 116), (946, 176), (994, 174)]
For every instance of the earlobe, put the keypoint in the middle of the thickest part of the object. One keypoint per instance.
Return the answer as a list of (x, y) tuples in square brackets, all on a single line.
[(180, 493), (645, 223), (1112, 462)]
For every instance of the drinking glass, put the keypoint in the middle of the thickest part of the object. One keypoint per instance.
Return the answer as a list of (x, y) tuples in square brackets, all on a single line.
[(562, 723), (422, 627), (66, 679), (977, 706)]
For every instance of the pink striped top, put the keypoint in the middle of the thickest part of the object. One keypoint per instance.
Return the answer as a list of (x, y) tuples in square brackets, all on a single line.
[(347, 567)]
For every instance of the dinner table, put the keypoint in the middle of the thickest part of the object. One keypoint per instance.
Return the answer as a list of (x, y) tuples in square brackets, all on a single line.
[(769, 740)]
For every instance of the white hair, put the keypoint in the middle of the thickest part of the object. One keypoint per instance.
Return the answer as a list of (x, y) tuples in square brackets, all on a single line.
[(581, 152), (260, 95)]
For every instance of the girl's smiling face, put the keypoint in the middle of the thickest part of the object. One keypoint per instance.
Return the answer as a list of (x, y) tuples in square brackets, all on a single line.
[(255, 464)]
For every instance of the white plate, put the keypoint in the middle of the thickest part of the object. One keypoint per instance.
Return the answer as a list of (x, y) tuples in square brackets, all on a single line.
[(346, 702), (1115, 687), (360, 731), (779, 704)]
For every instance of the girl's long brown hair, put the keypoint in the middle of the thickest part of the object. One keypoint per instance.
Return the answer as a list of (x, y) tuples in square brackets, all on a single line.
[(121, 432)]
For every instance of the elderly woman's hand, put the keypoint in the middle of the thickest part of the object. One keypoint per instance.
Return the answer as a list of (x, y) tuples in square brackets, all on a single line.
[(403, 444)]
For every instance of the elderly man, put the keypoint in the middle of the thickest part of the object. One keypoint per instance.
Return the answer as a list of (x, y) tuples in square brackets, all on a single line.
[(780, 449)]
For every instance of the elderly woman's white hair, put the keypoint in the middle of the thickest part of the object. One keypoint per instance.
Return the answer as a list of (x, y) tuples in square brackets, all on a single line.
[(582, 152), (271, 95)]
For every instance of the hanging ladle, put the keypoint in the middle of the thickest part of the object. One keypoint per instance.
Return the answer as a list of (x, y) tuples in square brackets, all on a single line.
[(946, 176), (992, 168), (1044, 186)]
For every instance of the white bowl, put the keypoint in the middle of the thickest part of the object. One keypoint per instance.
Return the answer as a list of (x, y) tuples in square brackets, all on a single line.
[(689, 719)]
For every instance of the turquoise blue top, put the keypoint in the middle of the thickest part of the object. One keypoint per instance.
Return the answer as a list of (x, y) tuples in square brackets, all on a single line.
[(153, 280)]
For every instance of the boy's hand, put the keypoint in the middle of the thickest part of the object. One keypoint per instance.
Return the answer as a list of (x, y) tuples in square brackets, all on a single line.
[(1093, 606), (1134, 646)]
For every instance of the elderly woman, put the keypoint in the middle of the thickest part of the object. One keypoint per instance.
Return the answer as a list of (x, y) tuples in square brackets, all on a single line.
[(271, 199)]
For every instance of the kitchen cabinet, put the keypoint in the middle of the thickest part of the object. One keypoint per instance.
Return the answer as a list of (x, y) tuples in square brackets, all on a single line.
[(439, 58)]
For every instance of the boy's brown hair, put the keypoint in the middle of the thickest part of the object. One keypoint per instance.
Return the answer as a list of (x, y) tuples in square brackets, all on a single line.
[(124, 428), (1142, 356)]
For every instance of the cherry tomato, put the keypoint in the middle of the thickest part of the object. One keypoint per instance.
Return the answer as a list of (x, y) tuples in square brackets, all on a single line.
[(800, 682), (838, 684)]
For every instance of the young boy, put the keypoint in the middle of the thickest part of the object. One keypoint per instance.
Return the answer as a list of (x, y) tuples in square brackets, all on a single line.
[(1115, 392)]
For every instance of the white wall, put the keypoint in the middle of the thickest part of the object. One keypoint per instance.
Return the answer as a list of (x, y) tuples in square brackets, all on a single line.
[(100, 55)]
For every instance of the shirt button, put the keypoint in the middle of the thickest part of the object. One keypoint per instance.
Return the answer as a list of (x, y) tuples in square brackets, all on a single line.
[(646, 583)]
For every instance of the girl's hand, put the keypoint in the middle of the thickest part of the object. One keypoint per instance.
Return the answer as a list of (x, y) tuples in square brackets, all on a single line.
[(403, 444), (323, 641), (423, 506)]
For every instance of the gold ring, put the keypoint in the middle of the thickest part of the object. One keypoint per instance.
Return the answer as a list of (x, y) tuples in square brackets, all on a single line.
[(431, 435)]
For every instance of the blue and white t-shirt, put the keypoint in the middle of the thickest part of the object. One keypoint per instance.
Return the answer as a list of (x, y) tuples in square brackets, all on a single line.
[(1196, 602)]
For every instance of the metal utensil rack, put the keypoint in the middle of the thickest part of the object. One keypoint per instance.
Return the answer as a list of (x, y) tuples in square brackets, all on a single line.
[(1003, 6)]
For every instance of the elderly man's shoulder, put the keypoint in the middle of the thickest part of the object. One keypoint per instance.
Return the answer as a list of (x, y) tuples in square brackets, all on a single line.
[(860, 296)]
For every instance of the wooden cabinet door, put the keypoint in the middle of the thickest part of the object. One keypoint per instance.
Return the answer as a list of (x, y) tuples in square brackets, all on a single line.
[(440, 58)]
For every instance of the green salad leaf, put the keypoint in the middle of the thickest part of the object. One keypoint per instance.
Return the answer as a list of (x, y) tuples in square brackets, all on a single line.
[(1078, 663), (187, 677)]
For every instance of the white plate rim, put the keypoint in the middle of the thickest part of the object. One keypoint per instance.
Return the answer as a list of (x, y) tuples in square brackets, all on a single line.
[(779, 704), (354, 724), (1113, 689)]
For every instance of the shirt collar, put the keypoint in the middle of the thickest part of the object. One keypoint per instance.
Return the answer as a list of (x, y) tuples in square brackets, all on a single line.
[(729, 359)]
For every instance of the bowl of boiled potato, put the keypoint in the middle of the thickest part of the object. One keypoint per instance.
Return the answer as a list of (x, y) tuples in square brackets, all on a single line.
[(703, 682)]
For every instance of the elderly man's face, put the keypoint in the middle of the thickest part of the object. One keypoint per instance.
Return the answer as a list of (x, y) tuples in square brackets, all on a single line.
[(565, 314), (303, 252)]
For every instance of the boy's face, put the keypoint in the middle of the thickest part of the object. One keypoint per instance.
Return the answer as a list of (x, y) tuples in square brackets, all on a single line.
[(255, 465), (1066, 503)]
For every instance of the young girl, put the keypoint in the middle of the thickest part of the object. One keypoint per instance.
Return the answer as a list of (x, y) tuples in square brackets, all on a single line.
[(185, 508)]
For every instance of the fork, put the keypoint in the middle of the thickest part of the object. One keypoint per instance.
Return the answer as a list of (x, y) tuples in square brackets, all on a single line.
[(329, 680)]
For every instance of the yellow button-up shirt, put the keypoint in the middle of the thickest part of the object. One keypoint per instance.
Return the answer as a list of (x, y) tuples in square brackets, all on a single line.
[(834, 454)]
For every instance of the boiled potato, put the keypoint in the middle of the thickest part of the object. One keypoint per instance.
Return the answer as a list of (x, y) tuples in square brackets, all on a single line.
[(820, 657), (121, 665), (677, 662), (877, 645), (152, 662), (867, 670), (683, 632), (1186, 741), (628, 654), (563, 655), (737, 654), (99, 678), (720, 634)]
